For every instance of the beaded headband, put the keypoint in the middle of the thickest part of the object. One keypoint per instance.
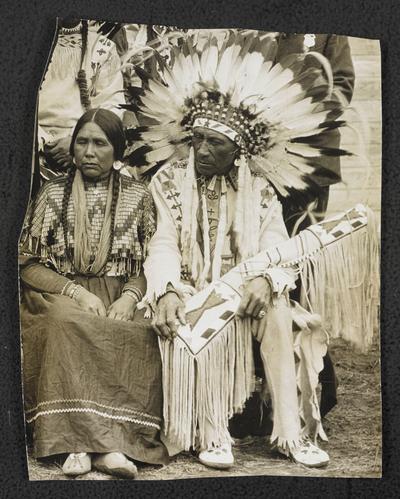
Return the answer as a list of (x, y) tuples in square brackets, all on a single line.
[(237, 123), (216, 126)]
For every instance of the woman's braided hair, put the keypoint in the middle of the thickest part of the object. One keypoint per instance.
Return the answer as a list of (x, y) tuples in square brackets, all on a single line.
[(64, 212), (114, 200)]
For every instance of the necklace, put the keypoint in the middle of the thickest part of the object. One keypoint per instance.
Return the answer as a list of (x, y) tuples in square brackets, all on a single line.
[(70, 31), (208, 190)]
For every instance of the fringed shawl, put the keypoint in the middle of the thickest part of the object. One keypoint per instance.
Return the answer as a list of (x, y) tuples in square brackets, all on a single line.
[(135, 223)]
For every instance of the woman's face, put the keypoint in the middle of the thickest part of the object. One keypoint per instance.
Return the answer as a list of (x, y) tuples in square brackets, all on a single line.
[(93, 152)]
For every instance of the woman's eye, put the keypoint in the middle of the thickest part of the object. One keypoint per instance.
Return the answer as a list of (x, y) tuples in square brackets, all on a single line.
[(100, 143)]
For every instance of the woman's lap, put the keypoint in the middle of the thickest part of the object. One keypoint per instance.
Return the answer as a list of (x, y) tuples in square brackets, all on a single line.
[(90, 381)]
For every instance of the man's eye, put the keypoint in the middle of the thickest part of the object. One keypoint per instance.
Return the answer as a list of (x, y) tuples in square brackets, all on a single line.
[(81, 141)]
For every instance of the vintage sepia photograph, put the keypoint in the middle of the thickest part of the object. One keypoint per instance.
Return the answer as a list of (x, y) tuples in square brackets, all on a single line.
[(200, 258)]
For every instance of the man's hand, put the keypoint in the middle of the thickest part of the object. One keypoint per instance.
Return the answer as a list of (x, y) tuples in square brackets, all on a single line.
[(90, 302), (58, 150), (256, 298), (122, 309), (170, 312)]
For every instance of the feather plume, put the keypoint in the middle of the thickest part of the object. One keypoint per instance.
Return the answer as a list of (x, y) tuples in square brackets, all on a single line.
[(287, 100)]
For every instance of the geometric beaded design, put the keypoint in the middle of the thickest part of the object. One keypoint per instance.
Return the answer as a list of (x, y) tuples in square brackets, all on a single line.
[(134, 224), (96, 199), (70, 40)]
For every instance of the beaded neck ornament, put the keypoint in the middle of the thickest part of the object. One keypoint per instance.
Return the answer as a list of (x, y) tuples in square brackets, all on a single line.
[(70, 31)]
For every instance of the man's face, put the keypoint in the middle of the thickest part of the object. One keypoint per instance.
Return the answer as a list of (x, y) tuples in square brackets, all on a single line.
[(213, 152)]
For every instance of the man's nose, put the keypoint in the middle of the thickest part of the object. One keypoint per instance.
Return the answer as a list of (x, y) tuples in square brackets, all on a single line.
[(203, 149)]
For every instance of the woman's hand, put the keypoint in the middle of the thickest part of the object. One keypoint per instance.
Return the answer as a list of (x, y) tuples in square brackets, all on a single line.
[(256, 298), (90, 302), (169, 315), (122, 309)]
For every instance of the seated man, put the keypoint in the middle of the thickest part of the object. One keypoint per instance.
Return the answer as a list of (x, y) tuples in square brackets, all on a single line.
[(216, 207), (214, 155)]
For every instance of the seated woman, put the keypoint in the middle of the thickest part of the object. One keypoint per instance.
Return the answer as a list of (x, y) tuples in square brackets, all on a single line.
[(92, 368)]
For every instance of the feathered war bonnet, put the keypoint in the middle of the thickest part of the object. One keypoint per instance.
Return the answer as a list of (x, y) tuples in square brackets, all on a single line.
[(279, 115)]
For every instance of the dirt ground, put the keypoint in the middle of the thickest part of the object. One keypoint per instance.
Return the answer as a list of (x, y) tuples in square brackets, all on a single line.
[(353, 428)]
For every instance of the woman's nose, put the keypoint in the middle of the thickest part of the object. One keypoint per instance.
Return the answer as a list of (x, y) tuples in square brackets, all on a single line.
[(89, 149)]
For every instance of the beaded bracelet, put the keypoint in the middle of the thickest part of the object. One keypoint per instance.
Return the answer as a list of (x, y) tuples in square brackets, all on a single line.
[(71, 289), (134, 293), (66, 288), (75, 291), (131, 294)]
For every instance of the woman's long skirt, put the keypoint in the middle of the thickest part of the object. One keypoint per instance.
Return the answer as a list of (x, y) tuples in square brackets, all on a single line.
[(91, 384)]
